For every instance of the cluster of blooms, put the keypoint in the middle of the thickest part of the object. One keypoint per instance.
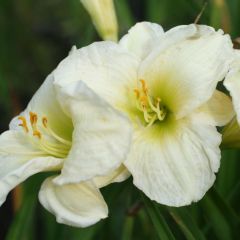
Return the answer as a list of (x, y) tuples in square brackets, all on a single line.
[(146, 106)]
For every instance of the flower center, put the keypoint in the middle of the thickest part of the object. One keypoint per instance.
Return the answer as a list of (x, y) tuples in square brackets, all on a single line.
[(46, 139), (152, 108)]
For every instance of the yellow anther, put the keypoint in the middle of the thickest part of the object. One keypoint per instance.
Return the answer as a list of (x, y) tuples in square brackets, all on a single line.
[(144, 86), (143, 101), (37, 134), (24, 123), (151, 107), (33, 118), (137, 92), (44, 122), (43, 137)]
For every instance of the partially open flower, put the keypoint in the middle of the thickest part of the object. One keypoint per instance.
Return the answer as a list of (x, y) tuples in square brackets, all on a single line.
[(104, 17), (75, 129), (166, 84)]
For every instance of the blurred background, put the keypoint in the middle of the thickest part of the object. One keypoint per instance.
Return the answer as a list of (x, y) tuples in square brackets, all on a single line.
[(34, 37)]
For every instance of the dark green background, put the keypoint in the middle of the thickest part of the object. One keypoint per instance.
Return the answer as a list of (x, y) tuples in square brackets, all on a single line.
[(34, 36)]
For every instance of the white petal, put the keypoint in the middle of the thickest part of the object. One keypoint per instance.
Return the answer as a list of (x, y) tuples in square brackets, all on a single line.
[(175, 166), (79, 205), (101, 137), (185, 74), (217, 111), (72, 50), (105, 67), (140, 38), (159, 41), (118, 175), (19, 160), (232, 83)]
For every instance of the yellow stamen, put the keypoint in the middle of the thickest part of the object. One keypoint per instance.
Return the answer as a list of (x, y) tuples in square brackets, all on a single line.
[(143, 101), (144, 86), (53, 134), (33, 118), (49, 143), (24, 123), (44, 122), (137, 92), (33, 121), (151, 107), (37, 134)]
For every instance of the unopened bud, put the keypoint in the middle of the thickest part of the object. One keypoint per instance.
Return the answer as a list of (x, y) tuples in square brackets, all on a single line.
[(104, 18)]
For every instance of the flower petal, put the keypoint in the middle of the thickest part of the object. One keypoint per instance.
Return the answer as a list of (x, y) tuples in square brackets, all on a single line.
[(185, 74), (19, 160), (232, 83), (217, 111), (175, 166), (101, 137), (118, 175), (79, 205), (106, 68), (141, 37)]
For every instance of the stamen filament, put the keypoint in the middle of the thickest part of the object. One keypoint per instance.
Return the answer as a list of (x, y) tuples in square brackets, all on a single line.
[(154, 118), (33, 121), (146, 116), (52, 133), (55, 152), (54, 146), (37, 153), (145, 103)]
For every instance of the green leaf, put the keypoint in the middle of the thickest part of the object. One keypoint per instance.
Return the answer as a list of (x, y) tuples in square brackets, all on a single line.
[(217, 217), (22, 227), (128, 228), (186, 223), (125, 17), (161, 226), (232, 218), (227, 176)]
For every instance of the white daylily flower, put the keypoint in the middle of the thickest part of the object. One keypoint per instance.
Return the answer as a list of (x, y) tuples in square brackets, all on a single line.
[(74, 128), (165, 83), (104, 17)]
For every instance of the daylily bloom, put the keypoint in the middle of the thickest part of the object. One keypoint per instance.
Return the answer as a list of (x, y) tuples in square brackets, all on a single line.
[(104, 18), (165, 82), (231, 133), (75, 129)]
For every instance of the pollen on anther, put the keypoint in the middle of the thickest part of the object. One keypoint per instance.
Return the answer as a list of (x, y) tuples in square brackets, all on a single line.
[(137, 92), (44, 122), (37, 134), (24, 123), (144, 87), (33, 118)]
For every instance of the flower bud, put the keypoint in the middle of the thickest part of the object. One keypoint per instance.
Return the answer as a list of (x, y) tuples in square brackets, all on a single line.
[(104, 18)]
